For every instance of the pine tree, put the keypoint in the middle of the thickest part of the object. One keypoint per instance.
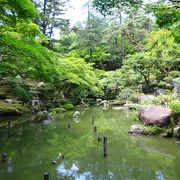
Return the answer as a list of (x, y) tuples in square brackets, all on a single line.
[(51, 12)]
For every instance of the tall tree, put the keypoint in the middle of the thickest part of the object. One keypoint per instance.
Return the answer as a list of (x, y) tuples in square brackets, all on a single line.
[(106, 7), (167, 16), (90, 36), (51, 12), (112, 6)]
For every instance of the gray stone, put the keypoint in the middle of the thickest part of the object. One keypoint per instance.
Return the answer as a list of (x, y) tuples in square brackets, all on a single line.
[(136, 129), (76, 114), (161, 91), (98, 101), (118, 108), (176, 131), (43, 116), (10, 101), (131, 106), (104, 103), (176, 83)]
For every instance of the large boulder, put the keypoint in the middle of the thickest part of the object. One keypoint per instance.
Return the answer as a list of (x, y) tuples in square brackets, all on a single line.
[(156, 115)]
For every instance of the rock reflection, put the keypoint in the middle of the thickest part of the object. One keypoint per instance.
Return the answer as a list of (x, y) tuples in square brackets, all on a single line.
[(76, 119)]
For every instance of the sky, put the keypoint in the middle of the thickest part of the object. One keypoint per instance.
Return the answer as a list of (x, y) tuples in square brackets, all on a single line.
[(78, 12)]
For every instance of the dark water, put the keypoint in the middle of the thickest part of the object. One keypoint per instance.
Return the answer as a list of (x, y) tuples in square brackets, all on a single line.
[(31, 150)]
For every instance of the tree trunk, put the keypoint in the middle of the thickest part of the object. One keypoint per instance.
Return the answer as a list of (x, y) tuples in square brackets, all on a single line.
[(44, 13), (122, 37)]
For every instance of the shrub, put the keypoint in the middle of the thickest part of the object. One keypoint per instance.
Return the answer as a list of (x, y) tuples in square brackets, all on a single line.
[(57, 110), (68, 106), (161, 84), (175, 107), (160, 100), (12, 109), (153, 130), (134, 97), (125, 94)]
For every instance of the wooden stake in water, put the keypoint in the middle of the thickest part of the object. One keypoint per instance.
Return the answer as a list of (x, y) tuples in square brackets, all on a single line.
[(95, 129), (46, 176), (4, 157), (9, 124), (93, 120), (105, 146)]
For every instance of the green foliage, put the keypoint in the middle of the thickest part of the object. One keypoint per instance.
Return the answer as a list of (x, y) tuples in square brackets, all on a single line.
[(80, 76), (20, 89), (68, 43), (136, 28), (68, 106), (159, 100), (153, 130), (167, 17), (58, 110), (50, 15), (174, 74), (125, 94), (110, 82), (161, 57), (12, 109), (106, 7), (13, 10), (175, 107), (25, 58), (150, 58)]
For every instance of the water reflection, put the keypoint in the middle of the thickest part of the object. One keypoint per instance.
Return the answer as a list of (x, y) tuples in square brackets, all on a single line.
[(76, 119), (7, 167), (129, 157), (74, 172), (160, 176)]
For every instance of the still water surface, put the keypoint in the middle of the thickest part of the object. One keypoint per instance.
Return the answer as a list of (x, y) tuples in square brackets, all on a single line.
[(32, 149)]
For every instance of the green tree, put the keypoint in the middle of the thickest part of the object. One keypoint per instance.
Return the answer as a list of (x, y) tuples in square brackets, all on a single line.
[(160, 57), (167, 17), (12, 11), (106, 7), (51, 12)]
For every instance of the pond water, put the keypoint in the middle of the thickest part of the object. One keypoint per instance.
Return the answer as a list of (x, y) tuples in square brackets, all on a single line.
[(32, 149)]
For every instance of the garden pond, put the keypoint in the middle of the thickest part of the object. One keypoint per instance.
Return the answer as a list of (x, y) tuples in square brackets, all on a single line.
[(34, 149)]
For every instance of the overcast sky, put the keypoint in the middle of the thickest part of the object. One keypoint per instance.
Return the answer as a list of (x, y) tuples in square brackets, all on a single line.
[(78, 12)]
